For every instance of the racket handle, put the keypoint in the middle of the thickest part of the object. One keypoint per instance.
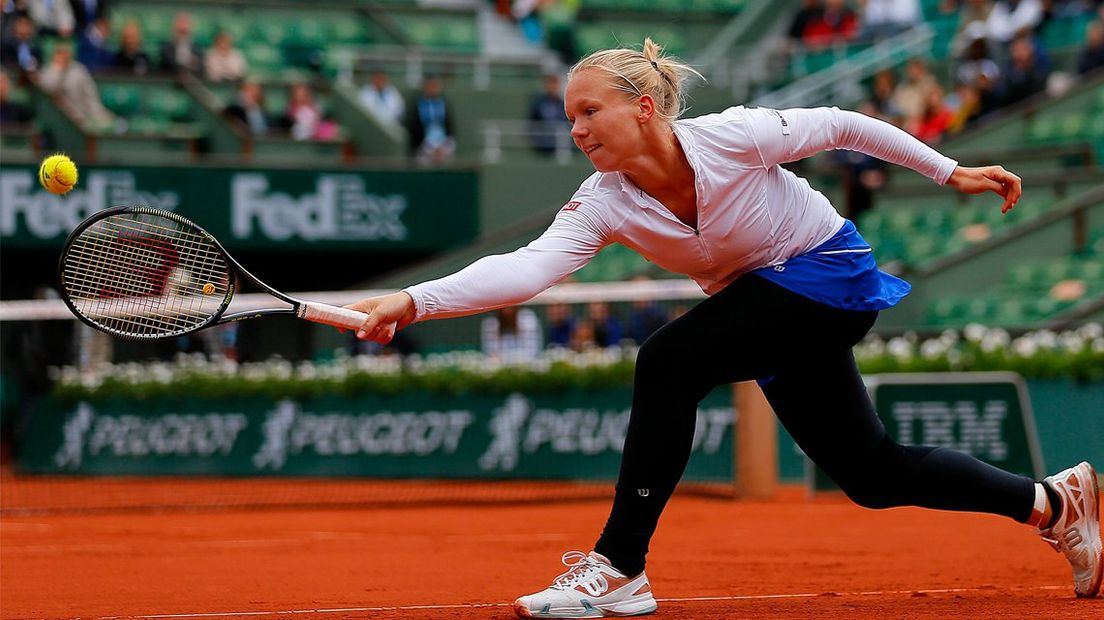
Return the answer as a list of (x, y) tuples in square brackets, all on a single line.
[(331, 315)]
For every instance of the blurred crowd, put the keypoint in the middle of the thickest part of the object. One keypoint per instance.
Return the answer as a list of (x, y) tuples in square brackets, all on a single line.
[(62, 46), (997, 59), (516, 333)]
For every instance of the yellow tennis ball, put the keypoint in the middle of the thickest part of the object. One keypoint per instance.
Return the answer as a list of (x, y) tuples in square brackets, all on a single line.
[(58, 174), (208, 289)]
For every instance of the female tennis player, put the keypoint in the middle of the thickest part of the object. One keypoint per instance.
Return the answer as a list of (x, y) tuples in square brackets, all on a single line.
[(792, 287)]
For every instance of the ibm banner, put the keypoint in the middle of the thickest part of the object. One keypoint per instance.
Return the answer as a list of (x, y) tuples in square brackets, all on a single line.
[(985, 414), (258, 209), (575, 435)]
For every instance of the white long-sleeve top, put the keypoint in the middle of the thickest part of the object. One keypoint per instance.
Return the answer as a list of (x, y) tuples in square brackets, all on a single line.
[(752, 213)]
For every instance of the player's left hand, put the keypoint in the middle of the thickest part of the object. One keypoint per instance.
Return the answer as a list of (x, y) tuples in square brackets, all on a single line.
[(988, 179)]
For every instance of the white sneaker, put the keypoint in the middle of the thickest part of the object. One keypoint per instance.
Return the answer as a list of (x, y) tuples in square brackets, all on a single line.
[(590, 588), (1076, 533)]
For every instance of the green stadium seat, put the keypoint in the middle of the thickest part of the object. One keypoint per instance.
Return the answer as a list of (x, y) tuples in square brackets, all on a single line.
[(148, 126), (934, 220), (169, 104), (1060, 269), (1015, 311), (309, 31), (1043, 129), (349, 31), (980, 308), (1096, 126), (888, 249), (263, 58), (1095, 245), (270, 31), (591, 38), (237, 26), (123, 99), (1090, 270), (948, 310), (1066, 31), (923, 248), (1027, 276)]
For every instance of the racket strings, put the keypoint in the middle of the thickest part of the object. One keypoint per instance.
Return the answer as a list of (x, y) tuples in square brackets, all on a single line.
[(145, 275)]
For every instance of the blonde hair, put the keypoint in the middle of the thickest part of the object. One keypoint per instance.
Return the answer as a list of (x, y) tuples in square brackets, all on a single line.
[(644, 72)]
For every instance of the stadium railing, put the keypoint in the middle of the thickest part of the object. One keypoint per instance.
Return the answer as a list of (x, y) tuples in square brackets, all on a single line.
[(841, 81)]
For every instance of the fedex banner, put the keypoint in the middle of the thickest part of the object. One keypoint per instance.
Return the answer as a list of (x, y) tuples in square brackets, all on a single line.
[(258, 209)]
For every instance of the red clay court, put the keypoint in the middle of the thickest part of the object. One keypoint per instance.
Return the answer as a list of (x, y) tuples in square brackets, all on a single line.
[(712, 558)]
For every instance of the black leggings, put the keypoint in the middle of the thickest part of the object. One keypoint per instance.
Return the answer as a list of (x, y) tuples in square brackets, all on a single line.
[(801, 349)]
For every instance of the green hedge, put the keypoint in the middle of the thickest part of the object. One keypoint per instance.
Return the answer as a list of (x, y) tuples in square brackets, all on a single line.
[(1077, 355)]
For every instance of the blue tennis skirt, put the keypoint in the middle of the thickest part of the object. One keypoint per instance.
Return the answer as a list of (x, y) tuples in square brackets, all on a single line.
[(841, 272)]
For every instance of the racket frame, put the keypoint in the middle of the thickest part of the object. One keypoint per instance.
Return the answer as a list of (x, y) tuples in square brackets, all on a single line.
[(235, 270)]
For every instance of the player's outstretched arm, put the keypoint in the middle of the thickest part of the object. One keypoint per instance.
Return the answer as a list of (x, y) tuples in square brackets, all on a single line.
[(386, 315), (988, 179)]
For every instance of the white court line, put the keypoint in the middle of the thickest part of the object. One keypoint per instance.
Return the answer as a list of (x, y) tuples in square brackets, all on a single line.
[(690, 599)]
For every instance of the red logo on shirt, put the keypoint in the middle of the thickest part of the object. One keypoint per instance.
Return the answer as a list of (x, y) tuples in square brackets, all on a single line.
[(571, 206)]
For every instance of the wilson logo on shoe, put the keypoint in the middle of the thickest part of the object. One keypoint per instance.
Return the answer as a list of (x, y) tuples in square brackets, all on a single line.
[(596, 586)]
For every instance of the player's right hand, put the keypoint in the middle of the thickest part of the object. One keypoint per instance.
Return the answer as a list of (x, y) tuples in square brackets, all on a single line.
[(386, 315)]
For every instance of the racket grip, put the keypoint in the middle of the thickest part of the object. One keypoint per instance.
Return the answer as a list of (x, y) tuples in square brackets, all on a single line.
[(331, 315)]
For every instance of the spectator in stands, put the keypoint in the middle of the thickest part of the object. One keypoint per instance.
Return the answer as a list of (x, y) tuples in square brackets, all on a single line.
[(862, 174), (131, 58), (971, 12), (224, 62), (303, 113), (976, 58), (646, 317), (1092, 57), (72, 84), (52, 17), (180, 52), (248, 109), (86, 12), (1024, 76), (932, 123), (808, 13), (965, 105), (989, 91), (430, 124), (881, 97), (608, 330), (93, 49), (548, 125), (512, 334), (527, 17), (19, 49), (381, 99), (561, 323), (11, 112), (882, 19), (1010, 18), (863, 177), (912, 95), (835, 25), (582, 337)]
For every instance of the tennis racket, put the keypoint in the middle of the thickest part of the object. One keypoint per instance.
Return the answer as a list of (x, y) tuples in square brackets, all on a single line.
[(147, 274)]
